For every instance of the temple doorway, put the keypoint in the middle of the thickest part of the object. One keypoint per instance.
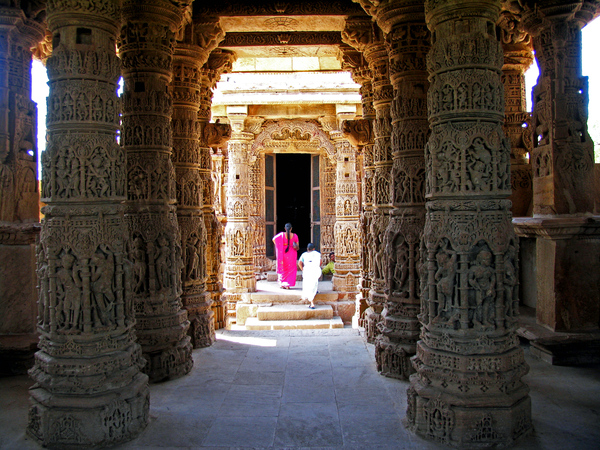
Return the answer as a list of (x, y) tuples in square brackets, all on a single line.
[(289, 196)]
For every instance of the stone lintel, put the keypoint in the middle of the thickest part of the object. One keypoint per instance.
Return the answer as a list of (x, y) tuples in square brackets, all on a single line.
[(559, 227)]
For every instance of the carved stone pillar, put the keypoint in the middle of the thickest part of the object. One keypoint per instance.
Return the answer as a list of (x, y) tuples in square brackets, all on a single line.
[(215, 263), (89, 391), (257, 213), (468, 391), (367, 37), (327, 172), (407, 40), (567, 236), (361, 74), (239, 270), (19, 193), (213, 135), (347, 209), (199, 38), (518, 56), (146, 47)]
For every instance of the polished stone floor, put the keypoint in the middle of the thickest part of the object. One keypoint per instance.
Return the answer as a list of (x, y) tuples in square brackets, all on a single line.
[(313, 390)]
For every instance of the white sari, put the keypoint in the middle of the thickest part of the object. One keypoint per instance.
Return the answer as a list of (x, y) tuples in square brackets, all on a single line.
[(311, 272)]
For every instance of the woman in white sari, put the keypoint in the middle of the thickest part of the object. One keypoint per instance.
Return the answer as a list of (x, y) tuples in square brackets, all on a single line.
[(310, 265)]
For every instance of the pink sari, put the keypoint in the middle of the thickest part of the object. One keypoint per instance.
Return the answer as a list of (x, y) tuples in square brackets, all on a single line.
[(286, 262)]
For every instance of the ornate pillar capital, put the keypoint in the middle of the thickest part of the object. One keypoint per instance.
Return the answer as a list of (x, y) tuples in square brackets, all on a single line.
[(358, 132), (541, 15)]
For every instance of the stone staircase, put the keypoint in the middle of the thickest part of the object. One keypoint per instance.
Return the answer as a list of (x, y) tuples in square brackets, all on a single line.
[(278, 309)]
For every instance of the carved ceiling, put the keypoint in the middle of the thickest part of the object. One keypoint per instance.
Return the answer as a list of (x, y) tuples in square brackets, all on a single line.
[(302, 29)]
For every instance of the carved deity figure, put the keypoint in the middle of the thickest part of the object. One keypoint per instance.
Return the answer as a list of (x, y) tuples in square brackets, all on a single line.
[(478, 166), (510, 282), (163, 263), (379, 256), (43, 287), (140, 267), (97, 177), (445, 277), (447, 173), (483, 279), (69, 293), (103, 271), (192, 258), (401, 268)]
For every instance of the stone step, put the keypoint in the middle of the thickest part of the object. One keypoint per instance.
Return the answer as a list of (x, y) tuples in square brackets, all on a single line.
[(272, 276), (291, 296), (252, 323), (294, 312)]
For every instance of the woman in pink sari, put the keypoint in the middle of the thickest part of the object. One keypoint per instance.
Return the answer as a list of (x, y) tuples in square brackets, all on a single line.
[(286, 250)]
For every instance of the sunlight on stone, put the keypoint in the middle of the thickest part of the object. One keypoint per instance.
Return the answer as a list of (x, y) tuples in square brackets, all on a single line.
[(258, 342)]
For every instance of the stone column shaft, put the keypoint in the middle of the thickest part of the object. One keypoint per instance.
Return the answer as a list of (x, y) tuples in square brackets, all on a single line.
[(361, 74), (407, 40), (368, 38), (518, 56), (213, 135), (567, 234), (191, 157), (89, 390), (346, 229), (19, 192), (146, 47), (468, 391), (239, 270)]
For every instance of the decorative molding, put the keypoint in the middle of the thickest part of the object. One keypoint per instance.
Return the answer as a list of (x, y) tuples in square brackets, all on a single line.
[(281, 38)]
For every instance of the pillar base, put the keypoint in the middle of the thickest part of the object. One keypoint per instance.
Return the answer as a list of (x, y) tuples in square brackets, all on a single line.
[(61, 421), (372, 318), (393, 359), (467, 398), (170, 362), (202, 330), (201, 317), (488, 423), (567, 270)]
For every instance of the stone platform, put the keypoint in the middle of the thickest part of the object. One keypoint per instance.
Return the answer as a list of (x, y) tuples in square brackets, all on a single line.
[(273, 308), (555, 347)]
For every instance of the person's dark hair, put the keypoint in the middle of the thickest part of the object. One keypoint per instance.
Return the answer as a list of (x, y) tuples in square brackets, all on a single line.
[(288, 228), (331, 254), (310, 246)]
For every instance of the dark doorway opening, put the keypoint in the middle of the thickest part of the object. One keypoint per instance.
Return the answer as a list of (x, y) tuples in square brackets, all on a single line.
[(293, 195)]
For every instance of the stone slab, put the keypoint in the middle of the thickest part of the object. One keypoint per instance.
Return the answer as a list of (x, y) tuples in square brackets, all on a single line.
[(252, 323), (293, 296), (568, 350), (294, 312), (18, 293)]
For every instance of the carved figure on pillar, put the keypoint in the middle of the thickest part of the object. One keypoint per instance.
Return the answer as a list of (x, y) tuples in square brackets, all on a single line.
[(468, 362), (89, 390), (146, 46)]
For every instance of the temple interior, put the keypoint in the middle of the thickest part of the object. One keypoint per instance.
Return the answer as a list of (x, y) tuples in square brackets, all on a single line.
[(392, 133)]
